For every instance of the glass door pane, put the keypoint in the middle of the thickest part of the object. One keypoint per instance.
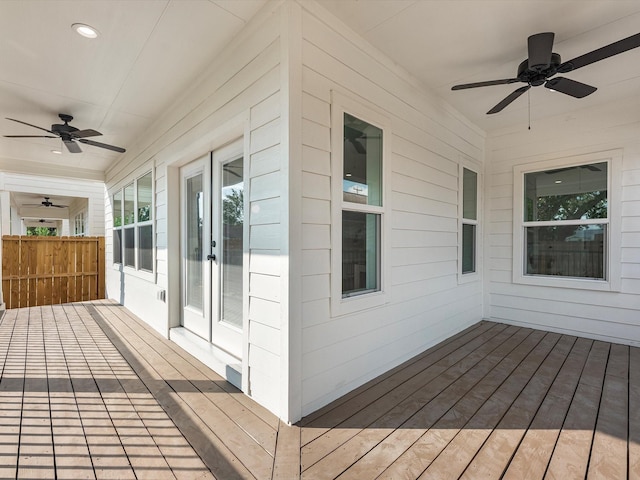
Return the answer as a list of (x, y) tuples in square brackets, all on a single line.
[(194, 242), (232, 234)]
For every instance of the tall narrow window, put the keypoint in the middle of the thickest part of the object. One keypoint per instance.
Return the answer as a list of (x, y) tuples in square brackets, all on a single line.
[(79, 228), (566, 217), (469, 220), (117, 227), (129, 229), (361, 207)]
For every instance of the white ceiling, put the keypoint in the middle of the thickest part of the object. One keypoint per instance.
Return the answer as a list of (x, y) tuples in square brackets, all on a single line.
[(149, 50)]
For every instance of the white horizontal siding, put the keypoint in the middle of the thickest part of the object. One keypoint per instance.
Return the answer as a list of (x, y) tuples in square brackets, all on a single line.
[(425, 303), (612, 316), (241, 83)]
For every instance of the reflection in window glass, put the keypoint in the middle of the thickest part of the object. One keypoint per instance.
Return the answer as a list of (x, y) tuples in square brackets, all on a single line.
[(572, 193), (570, 206), (360, 252), (362, 176), (130, 247), (469, 194), (129, 199), (117, 246), (468, 248), (194, 242), (144, 197), (145, 248), (117, 209), (567, 250), (232, 197)]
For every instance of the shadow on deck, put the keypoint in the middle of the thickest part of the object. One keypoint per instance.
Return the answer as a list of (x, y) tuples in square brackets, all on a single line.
[(88, 390)]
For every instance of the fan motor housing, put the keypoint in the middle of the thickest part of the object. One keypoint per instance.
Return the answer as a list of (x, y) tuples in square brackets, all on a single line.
[(536, 78)]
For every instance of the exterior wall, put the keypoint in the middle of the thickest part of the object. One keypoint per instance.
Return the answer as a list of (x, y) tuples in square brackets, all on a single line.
[(88, 192), (238, 96), (609, 315), (425, 302)]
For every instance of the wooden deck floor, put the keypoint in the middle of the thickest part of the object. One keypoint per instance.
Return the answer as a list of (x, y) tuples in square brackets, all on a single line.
[(88, 391)]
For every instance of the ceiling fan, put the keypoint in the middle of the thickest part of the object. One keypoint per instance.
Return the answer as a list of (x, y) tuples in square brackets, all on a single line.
[(46, 203), (68, 134), (542, 64)]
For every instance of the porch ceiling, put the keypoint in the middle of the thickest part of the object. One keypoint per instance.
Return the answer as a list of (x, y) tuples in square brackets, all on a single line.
[(148, 51)]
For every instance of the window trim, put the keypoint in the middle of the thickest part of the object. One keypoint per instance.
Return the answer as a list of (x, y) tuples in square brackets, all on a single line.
[(341, 104), (135, 225), (476, 274), (80, 219), (612, 280)]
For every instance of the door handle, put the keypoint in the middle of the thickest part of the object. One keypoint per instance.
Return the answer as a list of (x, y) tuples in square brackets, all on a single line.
[(211, 257)]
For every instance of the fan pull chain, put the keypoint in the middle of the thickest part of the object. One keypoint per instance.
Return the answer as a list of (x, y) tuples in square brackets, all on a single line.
[(529, 100)]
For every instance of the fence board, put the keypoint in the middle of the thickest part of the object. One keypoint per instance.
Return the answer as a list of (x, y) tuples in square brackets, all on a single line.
[(51, 270)]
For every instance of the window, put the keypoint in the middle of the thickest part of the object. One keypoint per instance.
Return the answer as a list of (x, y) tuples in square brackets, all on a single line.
[(79, 229), (469, 221), (359, 147), (361, 202), (133, 224), (564, 224), (566, 220)]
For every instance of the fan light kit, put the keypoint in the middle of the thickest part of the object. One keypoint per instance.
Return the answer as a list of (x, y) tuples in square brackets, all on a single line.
[(542, 64), (86, 31), (68, 134)]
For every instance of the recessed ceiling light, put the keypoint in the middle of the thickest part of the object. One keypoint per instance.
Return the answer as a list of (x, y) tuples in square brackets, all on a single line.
[(85, 30), (57, 152), (558, 181), (347, 174)]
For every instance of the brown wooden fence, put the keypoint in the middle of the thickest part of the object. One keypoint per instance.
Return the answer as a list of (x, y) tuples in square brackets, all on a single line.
[(51, 270)]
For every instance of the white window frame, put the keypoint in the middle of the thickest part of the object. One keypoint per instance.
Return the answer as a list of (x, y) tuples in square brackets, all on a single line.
[(612, 279), (476, 274), (79, 221), (136, 270), (341, 104)]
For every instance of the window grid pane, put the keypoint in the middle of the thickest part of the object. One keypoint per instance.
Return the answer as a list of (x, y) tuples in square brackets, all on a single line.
[(468, 248), (117, 246), (145, 192), (469, 194), (571, 193), (117, 209), (362, 162), (360, 252), (129, 247), (129, 199), (566, 250), (145, 248)]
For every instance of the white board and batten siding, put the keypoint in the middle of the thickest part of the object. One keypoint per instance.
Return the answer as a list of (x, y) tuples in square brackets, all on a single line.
[(424, 302), (238, 96), (608, 315)]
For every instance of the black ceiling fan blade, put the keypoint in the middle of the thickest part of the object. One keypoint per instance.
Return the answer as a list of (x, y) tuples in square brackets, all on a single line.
[(489, 83), (72, 146), (85, 133), (510, 98), (570, 87), (601, 53), (29, 125), (540, 47), (29, 136), (102, 145)]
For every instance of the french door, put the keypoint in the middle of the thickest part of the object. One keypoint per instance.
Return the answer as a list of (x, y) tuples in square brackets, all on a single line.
[(212, 244)]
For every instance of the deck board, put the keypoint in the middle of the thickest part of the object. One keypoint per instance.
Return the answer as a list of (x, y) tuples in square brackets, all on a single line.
[(87, 390)]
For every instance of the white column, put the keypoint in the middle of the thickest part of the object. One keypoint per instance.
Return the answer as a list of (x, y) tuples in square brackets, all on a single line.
[(5, 219)]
